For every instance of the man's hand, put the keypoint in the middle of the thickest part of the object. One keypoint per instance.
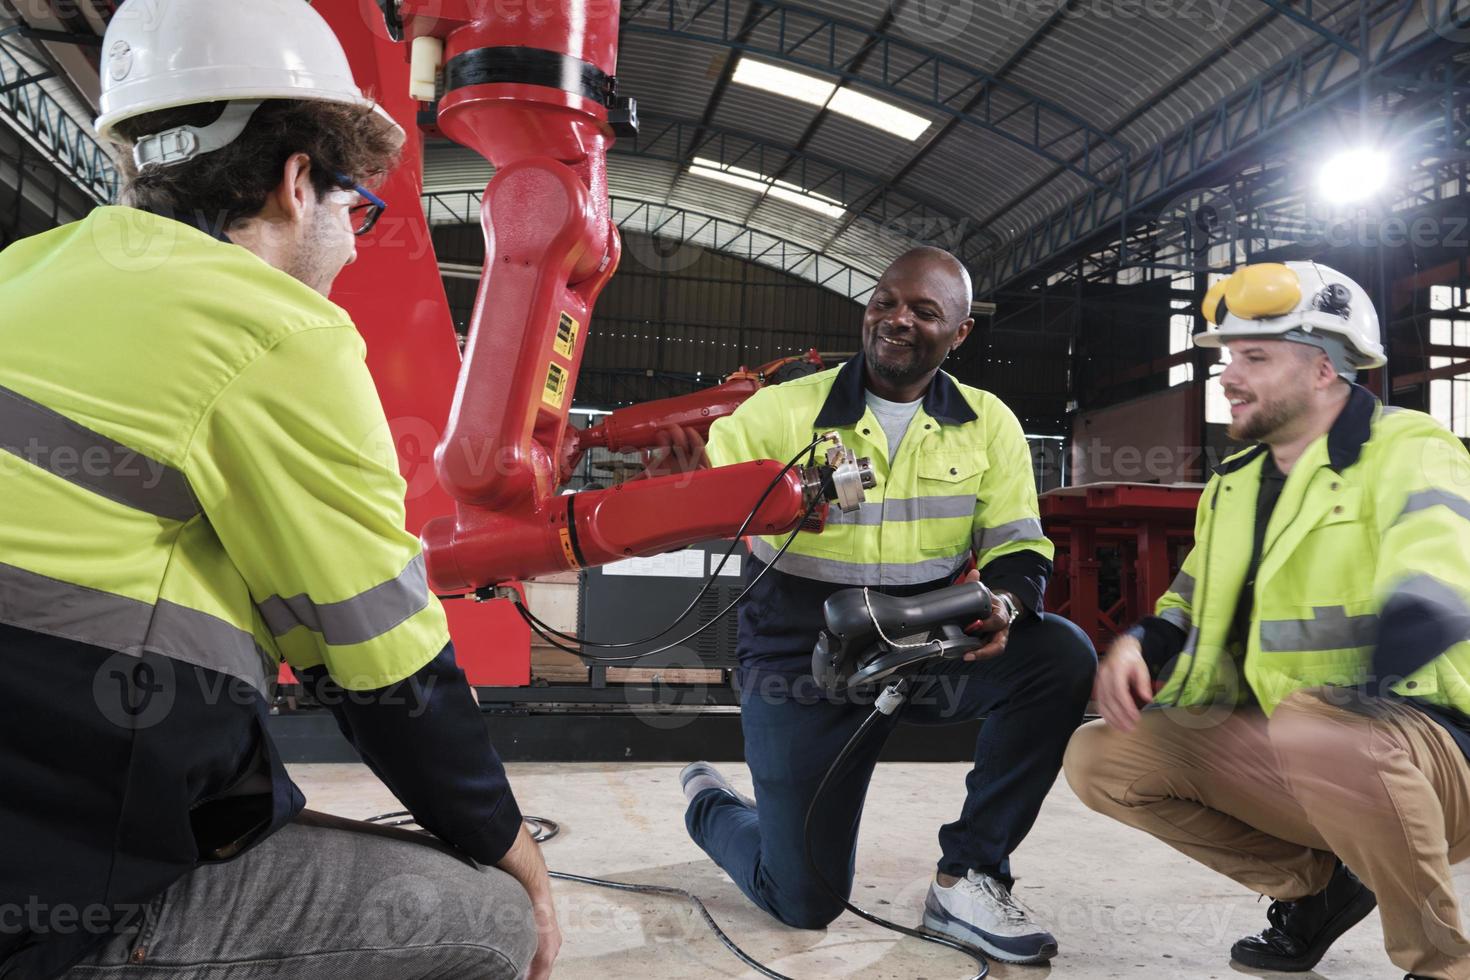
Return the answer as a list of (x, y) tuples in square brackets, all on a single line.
[(997, 628), (524, 863), (1122, 685), (678, 450)]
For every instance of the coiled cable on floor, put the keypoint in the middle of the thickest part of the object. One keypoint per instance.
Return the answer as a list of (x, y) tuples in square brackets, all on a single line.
[(542, 829)]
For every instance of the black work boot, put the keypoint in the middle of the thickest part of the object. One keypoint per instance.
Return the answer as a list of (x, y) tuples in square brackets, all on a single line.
[(1301, 931)]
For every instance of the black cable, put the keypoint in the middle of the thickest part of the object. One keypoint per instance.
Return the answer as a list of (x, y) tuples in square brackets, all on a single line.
[(708, 582), (811, 862), (542, 830), (536, 626), (709, 920)]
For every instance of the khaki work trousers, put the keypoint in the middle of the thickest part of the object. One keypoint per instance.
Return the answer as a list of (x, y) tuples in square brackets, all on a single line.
[(1269, 803)]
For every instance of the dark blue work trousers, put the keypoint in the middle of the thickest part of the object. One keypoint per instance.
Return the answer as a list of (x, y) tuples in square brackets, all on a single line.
[(1032, 697)]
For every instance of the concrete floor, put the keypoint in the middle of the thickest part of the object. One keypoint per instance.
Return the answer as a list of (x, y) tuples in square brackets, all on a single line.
[(1120, 903)]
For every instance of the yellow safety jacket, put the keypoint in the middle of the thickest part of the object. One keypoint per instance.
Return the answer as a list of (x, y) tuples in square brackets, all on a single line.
[(960, 484), (195, 481), (1364, 574), (196, 461)]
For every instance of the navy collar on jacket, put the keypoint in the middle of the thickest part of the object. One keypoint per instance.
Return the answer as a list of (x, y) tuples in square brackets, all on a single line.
[(846, 401), (1352, 428), (196, 219)]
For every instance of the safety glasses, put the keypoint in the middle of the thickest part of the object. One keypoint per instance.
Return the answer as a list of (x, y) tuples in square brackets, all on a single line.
[(366, 213)]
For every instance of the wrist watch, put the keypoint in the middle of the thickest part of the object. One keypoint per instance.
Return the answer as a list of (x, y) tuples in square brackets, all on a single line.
[(1010, 606)]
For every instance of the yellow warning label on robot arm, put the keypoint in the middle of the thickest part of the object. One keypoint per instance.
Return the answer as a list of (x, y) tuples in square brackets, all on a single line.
[(555, 391), (567, 329)]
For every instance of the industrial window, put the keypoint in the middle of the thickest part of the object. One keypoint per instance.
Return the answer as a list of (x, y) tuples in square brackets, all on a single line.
[(1449, 398), (1181, 332), (1217, 406)]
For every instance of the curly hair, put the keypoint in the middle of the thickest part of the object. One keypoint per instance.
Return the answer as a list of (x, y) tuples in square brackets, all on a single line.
[(233, 182)]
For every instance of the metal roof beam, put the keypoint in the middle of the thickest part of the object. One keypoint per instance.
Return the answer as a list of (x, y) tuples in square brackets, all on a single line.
[(854, 65), (897, 68), (1296, 89), (72, 147), (892, 211), (1287, 9), (928, 143), (695, 229)]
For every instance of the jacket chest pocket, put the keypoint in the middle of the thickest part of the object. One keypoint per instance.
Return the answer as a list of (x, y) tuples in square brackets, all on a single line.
[(948, 482), (1332, 564)]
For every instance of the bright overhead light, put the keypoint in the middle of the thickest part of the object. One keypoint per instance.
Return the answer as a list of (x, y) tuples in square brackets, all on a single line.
[(726, 176), (1353, 175), (783, 81), (820, 92), (807, 201), (781, 190), (877, 113)]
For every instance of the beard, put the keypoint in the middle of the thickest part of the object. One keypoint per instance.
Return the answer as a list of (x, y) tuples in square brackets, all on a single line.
[(901, 370), (1270, 416), (318, 257)]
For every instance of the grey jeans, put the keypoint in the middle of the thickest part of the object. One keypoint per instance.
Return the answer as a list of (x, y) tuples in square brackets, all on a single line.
[(326, 898)]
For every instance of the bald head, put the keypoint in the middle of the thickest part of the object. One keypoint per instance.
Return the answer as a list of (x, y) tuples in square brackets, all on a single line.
[(935, 263), (919, 312)]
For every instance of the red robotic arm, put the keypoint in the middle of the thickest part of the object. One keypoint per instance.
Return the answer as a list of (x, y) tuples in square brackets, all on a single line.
[(638, 427), (531, 87)]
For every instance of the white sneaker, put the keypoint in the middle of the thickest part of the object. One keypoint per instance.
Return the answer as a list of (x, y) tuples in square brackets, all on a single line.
[(981, 911)]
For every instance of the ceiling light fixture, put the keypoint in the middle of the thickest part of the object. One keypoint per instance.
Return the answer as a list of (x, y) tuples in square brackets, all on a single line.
[(846, 101), (779, 189)]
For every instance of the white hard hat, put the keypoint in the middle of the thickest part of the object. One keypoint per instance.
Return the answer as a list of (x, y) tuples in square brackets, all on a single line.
[(163, 54), (1300, 301)]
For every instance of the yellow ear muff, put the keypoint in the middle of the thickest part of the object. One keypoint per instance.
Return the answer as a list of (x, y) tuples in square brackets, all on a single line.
[(1211, 307), (1264, 290)]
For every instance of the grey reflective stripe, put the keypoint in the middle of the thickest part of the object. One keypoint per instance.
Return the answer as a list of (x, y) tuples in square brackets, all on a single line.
[(873, 513), (1177, 617), (1191, 642), (869, 514), (363, 617), (860, 573), (1333, 629), (1425, 499), (1183, 586), (930, 508), (46, 605), (1026, 529), (90, 460)]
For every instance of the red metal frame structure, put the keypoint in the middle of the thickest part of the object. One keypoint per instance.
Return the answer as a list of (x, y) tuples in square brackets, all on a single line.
[(1151, 527)]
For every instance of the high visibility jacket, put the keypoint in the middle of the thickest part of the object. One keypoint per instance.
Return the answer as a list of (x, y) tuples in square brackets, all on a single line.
[(961, 484), (1364, 573), (196, 480)]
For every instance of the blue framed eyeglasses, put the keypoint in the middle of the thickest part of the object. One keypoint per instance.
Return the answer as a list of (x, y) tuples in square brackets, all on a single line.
[(367, 213)]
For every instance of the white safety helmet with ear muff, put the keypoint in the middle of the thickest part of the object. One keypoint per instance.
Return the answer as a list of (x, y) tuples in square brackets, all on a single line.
[(164, 54), (1297, 301)]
